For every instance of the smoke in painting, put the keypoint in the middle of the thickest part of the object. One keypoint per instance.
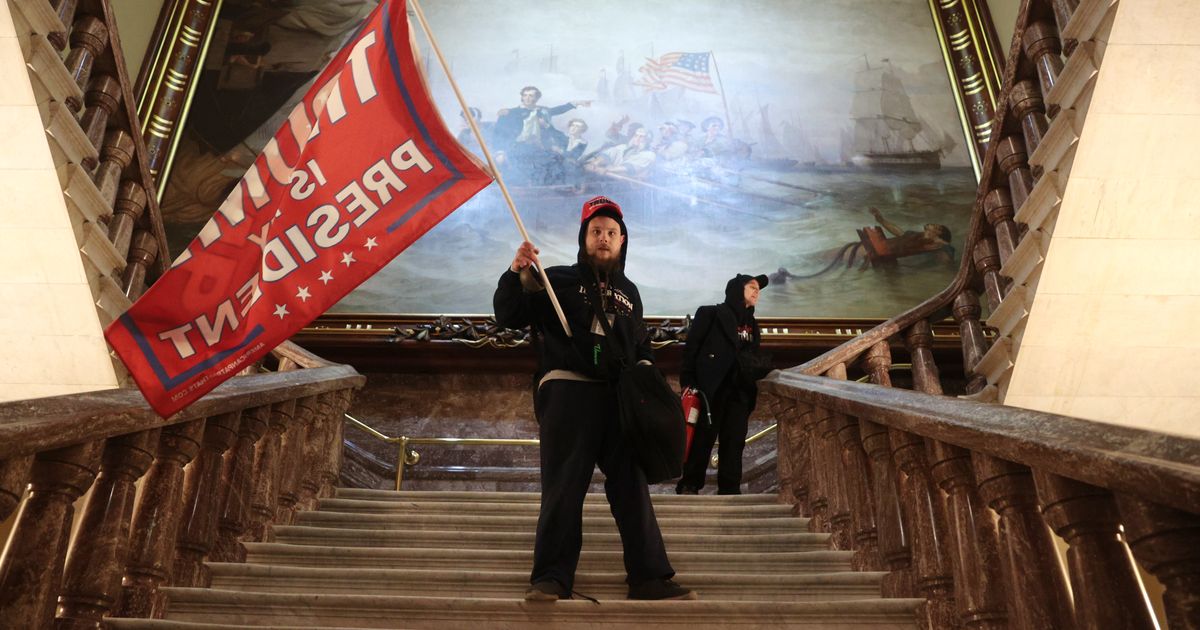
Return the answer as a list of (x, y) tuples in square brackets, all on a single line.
[(818, 142)]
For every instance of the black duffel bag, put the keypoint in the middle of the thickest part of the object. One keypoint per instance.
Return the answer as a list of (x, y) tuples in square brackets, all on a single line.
[(652, 420)]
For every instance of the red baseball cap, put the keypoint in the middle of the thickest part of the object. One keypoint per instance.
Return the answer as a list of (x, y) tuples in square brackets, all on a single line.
[(598, 203)]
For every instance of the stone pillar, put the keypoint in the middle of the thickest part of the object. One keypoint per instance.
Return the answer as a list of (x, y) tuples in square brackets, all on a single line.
[(266, 473), (115, 155), (1036, 586), (1013, 159), (979, 589), (156, 521), (131, 203), (238, 485), (32, 567), (1104, 582), (974, 344), (1030, 109), (998, 208), (102, 98), (1167, 542), (92, 578), (1040, 42), (201, 501), (987, 263), (142, 253), (89, 38)]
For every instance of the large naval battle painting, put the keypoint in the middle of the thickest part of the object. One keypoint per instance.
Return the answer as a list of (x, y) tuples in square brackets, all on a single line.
[(815, 141)]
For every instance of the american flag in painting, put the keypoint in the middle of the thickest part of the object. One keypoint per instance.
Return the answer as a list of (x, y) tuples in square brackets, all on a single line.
[(687, 70)]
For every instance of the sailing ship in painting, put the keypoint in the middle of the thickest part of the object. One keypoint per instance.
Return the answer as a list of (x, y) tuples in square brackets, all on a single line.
[(749, 154), (888, 134)]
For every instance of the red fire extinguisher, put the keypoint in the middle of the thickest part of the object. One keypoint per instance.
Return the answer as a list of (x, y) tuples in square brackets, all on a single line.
[(692, 402)]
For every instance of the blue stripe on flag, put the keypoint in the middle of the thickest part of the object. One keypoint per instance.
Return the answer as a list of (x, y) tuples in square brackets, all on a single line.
[(169, 382), (455, 175)]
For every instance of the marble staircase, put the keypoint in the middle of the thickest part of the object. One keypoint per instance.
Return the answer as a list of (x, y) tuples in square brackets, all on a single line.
[(382, 559)]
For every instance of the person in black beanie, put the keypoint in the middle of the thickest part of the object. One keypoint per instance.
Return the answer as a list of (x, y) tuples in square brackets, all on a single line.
[(575, 402), (719, 334)]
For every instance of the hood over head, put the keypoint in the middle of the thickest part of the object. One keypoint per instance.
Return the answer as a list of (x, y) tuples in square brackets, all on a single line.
[(735, 296), (605, 207)]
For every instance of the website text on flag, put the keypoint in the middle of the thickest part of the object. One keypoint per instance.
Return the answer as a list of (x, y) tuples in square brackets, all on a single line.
[(362, 168)]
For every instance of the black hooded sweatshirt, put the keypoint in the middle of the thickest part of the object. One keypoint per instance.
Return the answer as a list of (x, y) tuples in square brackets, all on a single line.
[(718, 333), (586, 354)]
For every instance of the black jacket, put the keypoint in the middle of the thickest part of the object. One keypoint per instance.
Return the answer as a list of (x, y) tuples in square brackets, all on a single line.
[(710, 353), (585, 352)]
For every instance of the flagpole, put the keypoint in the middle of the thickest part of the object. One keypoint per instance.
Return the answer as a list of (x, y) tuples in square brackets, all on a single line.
[(512, 206), (717, 71)]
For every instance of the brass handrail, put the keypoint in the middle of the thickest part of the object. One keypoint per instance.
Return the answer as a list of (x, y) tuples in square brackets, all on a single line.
[(761, 434), (714, 460), (405, 456)]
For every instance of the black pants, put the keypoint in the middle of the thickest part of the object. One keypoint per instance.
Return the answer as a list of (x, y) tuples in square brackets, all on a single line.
[(731, 409), (579, 429)]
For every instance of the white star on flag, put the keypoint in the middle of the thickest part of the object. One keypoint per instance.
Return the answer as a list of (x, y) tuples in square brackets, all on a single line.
[(303, 294), (347, 258), (281, 310), (371, 244), (326, 276)]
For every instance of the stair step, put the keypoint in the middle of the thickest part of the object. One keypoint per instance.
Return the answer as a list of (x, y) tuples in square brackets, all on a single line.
[(517, 560), (534, 497), (413, 559), (373, 611), (165, 624), (528, 522), (665, 510), (396, 539), (507, 584)]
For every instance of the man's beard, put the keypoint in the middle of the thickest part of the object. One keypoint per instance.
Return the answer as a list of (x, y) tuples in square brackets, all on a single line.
[(604, 266)]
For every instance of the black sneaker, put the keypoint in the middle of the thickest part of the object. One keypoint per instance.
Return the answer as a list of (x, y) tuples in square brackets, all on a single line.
[(660, 589), (546, 591)]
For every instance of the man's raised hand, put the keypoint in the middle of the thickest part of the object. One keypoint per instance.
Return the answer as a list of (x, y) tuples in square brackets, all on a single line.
[(526, 255)]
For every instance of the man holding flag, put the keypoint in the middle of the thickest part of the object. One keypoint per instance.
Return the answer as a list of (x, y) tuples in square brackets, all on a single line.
[(576, 405), (362, 168)]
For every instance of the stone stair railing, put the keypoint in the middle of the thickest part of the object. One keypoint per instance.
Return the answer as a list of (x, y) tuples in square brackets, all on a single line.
[(959, 500), (1051, 113), (217, 474), (76, 67)]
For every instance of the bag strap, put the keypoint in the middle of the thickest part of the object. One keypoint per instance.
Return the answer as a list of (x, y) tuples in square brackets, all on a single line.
[(594, 294)]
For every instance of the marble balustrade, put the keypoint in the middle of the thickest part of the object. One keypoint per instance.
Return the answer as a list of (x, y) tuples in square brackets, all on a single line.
[(197, 476), (961, 501), (72, 52)]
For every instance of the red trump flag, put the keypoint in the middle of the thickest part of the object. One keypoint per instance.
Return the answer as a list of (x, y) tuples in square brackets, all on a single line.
[(361, 169)]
